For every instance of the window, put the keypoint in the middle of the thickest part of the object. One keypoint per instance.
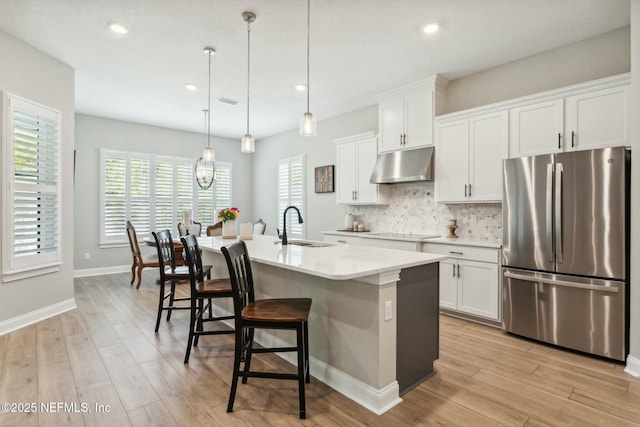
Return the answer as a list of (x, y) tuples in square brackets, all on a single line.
[(153, 192), (291, 193), (32, 199)]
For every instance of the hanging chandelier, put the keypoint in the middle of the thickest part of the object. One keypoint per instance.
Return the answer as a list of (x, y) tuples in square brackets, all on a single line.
[(205, 166), (308, 125), (248, 143)]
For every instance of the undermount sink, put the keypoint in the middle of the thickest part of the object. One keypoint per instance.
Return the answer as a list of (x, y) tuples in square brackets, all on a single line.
[(307, 243)]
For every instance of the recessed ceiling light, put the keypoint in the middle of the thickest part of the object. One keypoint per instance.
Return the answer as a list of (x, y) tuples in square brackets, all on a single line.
[(190, 86), (300, 88), (431, 28), (118, 28)]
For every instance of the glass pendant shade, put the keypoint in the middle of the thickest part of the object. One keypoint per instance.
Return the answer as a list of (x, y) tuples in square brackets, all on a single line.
[(205, 172), (308, 125), (208, 155), (248, 144)]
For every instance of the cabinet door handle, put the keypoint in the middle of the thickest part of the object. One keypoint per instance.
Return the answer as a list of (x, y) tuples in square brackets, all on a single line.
[(573, 134), (400, 139), (559, 141), (453, 270), (465, 190), (356, 192), (353, 194), (404, 139), (469, 190), (458, 270)]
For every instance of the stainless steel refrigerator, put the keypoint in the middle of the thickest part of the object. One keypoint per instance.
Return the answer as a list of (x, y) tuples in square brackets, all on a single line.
[(566, 249)]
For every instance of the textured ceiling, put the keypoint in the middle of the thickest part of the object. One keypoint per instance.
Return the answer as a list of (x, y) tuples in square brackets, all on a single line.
[(358, 48)]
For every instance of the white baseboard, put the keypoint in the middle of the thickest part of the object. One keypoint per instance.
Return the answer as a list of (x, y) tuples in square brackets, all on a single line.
[(377, 401), (633, 366), (87, 272), (27, 319)]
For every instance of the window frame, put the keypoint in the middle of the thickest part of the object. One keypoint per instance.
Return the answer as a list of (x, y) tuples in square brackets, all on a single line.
[(20, 267), (120, 239)]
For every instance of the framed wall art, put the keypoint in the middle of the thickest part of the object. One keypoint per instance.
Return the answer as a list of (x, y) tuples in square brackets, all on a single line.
[(324, 179)]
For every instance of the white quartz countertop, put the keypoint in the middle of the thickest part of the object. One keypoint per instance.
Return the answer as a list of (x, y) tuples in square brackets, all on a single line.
[(408, 238), (336, 262)]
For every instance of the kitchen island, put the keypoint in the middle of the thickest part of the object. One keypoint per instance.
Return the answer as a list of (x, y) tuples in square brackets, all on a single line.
[(360, 296)]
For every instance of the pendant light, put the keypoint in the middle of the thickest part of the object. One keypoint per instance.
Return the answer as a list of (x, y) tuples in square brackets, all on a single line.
[(247, 143), (308, 125), (205, 166)]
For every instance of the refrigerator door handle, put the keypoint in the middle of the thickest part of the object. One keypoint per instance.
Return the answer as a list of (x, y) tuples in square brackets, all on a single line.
[(549, 208), (564, 283), (558, 210)]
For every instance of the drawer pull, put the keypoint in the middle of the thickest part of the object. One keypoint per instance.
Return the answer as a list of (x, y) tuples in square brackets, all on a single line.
[(342, 241), (456, 253)]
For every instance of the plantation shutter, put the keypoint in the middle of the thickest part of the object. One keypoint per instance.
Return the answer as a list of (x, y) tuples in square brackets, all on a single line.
[(153, 192), (32, 164), (291, 193)]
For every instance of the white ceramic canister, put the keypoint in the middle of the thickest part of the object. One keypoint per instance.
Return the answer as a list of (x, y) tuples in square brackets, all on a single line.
[(348, 222)]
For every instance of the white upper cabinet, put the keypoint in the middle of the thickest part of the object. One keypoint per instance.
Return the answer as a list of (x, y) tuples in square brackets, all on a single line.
[(536, 129), (469, 154), (580, 117), (597, 119), (355, 158), (406, 114)]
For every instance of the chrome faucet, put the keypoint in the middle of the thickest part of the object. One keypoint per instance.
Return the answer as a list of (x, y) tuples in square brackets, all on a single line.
[(284, 222)]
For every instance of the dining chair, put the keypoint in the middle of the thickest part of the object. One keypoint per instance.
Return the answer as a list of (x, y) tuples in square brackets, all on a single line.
[(170, 272), (215, 229), (259, 227), (195, 228), (251, 314), (139, 261), (202, 289), (182, 230)]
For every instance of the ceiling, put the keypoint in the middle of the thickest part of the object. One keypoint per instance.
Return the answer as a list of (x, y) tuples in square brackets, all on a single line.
[(358, 48)]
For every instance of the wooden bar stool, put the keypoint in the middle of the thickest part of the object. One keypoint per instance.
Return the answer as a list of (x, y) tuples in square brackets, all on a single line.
[(202, 289), (169, 272), (282, 313)]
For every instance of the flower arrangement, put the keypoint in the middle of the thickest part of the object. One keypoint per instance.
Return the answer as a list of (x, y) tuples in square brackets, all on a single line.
[(228, 214)]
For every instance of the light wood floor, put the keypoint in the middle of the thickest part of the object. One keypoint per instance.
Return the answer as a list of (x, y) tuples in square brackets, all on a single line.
[(106, 353)]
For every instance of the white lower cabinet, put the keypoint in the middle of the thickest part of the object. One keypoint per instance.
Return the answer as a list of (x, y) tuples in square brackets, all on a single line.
[(469, 280)]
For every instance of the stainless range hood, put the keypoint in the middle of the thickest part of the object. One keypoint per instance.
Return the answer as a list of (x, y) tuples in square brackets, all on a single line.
[(403, 166)]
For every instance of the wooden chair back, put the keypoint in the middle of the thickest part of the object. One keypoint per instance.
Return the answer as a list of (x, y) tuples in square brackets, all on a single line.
[(240, 277), (215, 229), (166, 251), (193, 260), (133, 242), (195, 228), (259, 227)]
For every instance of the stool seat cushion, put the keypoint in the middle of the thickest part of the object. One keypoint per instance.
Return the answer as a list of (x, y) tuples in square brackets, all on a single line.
[(278, 310)]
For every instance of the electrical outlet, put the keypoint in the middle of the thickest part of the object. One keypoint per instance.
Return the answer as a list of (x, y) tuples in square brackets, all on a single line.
[(387, 310), (87, 255)]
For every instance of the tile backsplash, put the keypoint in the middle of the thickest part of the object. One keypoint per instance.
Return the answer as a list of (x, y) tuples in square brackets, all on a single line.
[(412, 209)]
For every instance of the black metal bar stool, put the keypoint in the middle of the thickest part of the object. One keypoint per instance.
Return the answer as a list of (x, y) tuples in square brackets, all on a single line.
[(282, 313)]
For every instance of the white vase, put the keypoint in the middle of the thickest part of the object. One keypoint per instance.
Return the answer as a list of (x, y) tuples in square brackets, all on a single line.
[(229, 229)]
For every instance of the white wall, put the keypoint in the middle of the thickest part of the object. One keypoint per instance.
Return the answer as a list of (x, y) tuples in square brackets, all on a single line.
[(93, 133), (601, 56), (32, 74), (322, 213)]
